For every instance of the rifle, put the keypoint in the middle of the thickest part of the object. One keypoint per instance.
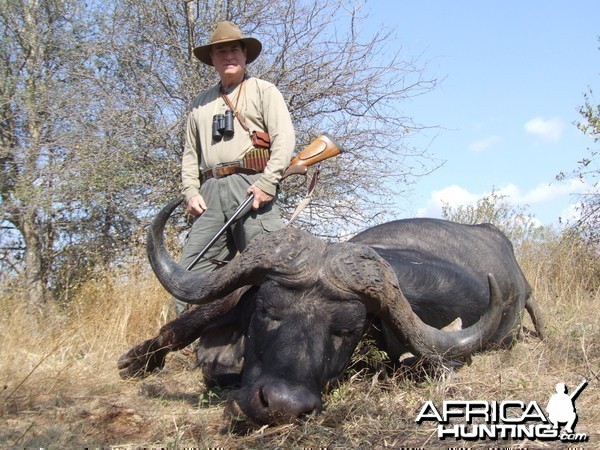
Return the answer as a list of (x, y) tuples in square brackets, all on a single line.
[(577, 391), (323, 147)]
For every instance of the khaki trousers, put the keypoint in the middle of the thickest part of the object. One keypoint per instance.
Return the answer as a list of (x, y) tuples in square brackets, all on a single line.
[(222, 197)]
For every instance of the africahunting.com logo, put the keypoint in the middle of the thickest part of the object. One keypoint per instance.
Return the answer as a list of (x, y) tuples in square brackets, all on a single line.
[(510, 419)]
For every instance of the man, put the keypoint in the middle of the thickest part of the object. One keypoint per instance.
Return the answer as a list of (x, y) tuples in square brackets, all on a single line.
[(561, 408), (220, 165)]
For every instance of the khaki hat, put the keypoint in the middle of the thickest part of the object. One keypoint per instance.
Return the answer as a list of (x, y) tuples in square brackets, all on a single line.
[(228, 32)]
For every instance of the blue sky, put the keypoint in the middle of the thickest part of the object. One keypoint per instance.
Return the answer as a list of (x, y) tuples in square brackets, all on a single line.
[(514, 74)]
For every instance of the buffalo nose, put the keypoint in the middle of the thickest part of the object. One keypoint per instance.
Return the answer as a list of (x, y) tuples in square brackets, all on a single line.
[(286, 403)]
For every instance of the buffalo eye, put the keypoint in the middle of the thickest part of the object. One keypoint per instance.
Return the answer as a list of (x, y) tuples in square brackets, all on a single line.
[(265, 315), (342, 333), (341, 336)]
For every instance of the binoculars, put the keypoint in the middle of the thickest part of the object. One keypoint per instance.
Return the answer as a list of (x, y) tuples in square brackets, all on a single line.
[(222, 125)]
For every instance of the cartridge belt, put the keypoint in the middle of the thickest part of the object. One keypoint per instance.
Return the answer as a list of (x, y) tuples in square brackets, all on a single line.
[(226, 169), (254, 162)]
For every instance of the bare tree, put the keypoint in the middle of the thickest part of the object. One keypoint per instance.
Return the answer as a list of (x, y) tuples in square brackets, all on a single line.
[(93, 100), (354, 88), (589, 170), (35, 54), (72, 146), (334, 80)]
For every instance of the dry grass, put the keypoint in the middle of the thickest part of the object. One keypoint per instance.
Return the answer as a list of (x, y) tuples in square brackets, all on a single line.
[(61, 388)]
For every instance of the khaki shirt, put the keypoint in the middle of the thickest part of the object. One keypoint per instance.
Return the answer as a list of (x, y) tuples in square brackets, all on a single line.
[(262, 107)]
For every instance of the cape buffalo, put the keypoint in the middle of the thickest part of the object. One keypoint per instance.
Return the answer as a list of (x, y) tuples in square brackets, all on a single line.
[(283, 318)]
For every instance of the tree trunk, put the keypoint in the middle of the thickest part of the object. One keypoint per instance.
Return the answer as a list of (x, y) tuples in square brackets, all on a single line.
[(34, 271), (189, 22)]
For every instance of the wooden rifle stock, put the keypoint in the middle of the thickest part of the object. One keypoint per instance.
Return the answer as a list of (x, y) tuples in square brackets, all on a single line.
[(321, 148)]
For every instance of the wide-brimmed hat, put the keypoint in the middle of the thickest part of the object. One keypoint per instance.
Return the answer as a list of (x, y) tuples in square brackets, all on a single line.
[(228, 32)]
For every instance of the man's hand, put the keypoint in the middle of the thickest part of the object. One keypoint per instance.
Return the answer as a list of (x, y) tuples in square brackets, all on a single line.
[(196, 205), (261, 198)]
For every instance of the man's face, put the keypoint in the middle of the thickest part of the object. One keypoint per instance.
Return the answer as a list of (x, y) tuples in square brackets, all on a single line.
[(229, 59)]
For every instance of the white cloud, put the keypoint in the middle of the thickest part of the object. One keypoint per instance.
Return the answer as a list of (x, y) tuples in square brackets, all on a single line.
[(484, 144), (543, 196), (571, 214), (451, 195), (548, 130), (544, 193)]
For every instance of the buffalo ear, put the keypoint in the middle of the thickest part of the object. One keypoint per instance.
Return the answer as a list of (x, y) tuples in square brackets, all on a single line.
[(455, 325)]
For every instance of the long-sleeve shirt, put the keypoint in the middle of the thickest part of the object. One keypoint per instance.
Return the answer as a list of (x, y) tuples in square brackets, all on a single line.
[(263, 109)]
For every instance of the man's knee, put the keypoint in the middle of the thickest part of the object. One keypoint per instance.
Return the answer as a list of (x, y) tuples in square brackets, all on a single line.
[(180, 307)]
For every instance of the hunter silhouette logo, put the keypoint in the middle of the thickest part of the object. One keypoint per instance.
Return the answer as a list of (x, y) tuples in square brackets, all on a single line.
[(509, 419), (561, 407)]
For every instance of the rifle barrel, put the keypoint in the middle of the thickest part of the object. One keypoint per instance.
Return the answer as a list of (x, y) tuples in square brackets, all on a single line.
[(580, 388), (242, 210)]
